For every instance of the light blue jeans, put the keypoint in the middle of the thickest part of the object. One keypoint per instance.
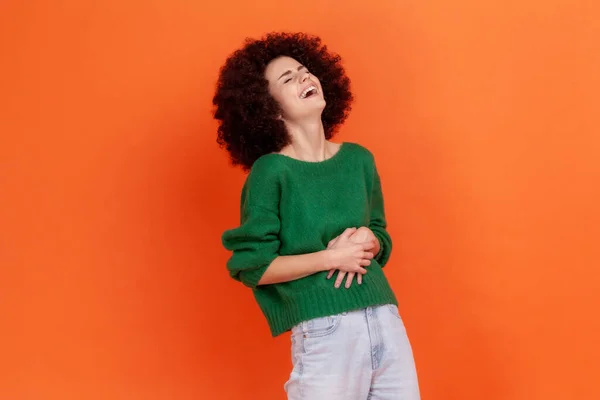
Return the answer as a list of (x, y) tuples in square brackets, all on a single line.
[(357, 355)]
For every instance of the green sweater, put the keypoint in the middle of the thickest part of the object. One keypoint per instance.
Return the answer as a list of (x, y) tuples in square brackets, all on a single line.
[(291, 207)]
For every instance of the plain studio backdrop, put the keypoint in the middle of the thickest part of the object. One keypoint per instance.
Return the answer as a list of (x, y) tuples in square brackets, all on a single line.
[(485, 120)]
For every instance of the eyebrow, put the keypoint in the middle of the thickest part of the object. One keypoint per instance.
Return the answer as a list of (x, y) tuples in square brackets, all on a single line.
[(289, 71)]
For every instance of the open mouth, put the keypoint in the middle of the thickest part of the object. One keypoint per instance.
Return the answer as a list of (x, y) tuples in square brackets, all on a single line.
[(308, 92)]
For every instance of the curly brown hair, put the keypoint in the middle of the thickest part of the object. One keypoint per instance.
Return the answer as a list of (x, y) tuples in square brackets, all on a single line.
[(249, 126)]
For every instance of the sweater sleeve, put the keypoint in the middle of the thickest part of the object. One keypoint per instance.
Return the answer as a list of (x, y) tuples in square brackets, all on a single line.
[(378, 223), (255, 242)]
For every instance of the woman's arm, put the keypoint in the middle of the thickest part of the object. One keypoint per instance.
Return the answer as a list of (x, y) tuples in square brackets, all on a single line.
[(290, 268), (255, 243), (348, 257), (378, 222)]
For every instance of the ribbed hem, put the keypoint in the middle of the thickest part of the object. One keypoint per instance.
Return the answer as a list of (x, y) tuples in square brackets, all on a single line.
[(328, 301)]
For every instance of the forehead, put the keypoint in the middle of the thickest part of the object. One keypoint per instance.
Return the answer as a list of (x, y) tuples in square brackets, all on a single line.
[(279, 65)]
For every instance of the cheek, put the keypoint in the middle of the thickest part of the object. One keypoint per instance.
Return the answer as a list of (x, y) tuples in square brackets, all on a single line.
[(318, 82), (287, 100)]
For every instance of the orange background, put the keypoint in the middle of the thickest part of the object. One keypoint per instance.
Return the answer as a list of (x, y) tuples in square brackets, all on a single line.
[(484, 118)]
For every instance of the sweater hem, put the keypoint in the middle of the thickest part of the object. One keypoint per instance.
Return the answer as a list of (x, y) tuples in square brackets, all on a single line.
[(320, 303)]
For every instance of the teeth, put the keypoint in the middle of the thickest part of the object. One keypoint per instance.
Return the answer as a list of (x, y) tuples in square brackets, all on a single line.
[(308, 89)]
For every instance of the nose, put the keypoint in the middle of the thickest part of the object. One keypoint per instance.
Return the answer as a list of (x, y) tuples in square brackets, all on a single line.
[(304, 76)]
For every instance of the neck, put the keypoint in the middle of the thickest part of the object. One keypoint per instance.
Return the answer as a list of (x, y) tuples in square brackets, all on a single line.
[(308, 141)]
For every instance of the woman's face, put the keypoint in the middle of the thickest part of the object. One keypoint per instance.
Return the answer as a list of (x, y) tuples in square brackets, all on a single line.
[(297, 91)]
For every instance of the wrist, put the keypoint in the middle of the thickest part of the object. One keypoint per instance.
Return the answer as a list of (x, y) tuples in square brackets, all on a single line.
[(327, 260)]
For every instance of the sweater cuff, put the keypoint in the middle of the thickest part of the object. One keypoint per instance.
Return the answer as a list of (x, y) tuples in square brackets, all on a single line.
[(251, 277)]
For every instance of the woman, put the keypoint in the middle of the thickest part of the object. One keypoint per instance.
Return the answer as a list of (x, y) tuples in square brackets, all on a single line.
[(311, 208)]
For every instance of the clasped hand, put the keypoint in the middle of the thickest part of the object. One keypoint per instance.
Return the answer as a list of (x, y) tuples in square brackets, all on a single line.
[(350, 253)]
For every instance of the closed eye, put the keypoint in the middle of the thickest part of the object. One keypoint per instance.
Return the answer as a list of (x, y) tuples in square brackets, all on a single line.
[(289, 72)]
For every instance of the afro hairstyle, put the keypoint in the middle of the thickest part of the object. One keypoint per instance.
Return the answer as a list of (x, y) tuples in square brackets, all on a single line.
[(248, 117)]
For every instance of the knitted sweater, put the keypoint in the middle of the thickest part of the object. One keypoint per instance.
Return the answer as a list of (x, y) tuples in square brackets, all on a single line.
[(291, 207)]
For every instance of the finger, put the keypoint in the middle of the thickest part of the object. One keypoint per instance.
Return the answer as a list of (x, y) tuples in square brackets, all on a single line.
[(330, 274), (362, 234), (367, 255), (360, 270), (349, 279), (347, 233), (365, 262), (359, 279), (332, 242), (339, 279), (368, 245)]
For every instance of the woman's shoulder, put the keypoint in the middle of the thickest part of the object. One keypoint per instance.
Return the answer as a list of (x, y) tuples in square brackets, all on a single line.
[(359, 150), (265, 170)]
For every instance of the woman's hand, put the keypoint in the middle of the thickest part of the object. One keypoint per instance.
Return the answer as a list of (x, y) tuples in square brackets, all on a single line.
[(354, 246)]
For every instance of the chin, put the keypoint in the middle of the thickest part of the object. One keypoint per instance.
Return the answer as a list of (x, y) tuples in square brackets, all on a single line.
[(320, 106), (321, 103), (308, 110)]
